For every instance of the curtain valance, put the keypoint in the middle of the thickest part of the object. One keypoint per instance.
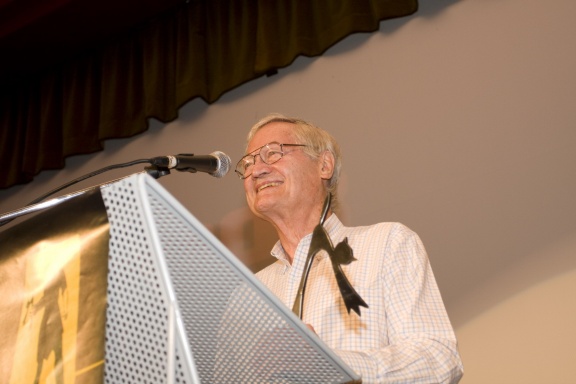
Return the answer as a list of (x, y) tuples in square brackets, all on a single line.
[(201, 49)]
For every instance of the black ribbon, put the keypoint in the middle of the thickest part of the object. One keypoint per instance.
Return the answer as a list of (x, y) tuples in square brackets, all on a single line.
[(341, 254)]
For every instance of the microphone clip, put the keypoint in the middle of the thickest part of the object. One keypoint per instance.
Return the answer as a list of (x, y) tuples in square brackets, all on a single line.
[(156, 171)]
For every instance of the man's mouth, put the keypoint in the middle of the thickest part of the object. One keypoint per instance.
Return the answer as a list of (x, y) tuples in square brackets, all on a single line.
[(264, 186)]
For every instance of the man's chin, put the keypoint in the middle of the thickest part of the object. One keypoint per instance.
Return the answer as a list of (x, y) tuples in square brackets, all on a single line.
[(263, 206)]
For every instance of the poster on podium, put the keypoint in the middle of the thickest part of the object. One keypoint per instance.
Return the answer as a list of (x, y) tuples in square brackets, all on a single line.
[(53, 276)]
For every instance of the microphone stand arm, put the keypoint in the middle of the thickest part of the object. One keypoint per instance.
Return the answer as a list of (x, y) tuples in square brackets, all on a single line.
[(153, 170)]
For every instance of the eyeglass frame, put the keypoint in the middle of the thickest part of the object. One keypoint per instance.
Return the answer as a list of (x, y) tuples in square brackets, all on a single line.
[(257, 152)]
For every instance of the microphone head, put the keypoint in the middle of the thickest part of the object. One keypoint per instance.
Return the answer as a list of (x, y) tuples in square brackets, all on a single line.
[(223, 164)]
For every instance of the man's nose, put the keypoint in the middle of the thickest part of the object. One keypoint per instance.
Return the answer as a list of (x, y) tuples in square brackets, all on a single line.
[(260, 167)]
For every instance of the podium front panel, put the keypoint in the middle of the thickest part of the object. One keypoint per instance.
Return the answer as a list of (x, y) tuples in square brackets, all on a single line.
[(227, 327)]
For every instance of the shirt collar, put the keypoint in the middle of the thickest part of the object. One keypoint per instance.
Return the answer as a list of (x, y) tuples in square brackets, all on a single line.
[(332, 225)]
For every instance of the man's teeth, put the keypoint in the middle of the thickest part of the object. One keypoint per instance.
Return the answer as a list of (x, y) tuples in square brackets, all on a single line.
[(267, 185)]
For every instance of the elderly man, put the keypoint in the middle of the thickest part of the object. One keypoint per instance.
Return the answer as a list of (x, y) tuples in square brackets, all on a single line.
[(404, 336)]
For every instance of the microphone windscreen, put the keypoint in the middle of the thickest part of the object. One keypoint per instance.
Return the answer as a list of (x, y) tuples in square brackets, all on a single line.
[(223, 164)]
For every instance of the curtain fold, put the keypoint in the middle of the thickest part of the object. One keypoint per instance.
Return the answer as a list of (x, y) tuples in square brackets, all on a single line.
[(201, 50)]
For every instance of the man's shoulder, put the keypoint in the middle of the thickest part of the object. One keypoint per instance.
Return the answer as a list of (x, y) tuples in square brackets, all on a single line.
[(385, 227), (383, 234)]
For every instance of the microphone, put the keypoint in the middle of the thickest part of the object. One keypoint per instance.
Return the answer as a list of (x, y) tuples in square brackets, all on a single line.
[(216, 164)]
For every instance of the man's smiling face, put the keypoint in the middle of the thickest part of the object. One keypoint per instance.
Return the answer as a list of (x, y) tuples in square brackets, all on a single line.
[(289, 185)]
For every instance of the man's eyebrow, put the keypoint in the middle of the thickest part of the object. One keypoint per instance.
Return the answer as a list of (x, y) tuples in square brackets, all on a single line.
[(257, 149)]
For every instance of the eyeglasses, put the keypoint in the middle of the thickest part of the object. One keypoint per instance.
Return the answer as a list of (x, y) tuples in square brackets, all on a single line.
[(269, 153)]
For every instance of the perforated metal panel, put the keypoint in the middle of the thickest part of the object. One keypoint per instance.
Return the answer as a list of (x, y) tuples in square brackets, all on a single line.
[(235, 330), (138, 321)]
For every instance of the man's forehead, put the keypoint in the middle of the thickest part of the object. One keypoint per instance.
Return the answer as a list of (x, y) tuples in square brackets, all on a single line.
[(273, 132)]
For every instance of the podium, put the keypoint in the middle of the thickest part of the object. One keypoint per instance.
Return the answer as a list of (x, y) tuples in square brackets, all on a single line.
[(181, 308)]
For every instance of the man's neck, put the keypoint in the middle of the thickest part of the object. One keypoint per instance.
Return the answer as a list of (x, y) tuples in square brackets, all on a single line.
[(291, 232)]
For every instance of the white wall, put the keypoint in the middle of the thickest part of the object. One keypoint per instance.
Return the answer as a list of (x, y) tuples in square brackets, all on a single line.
[(459, 122)]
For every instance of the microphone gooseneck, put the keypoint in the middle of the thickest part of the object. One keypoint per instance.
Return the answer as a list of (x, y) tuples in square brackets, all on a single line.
[(216, 164)]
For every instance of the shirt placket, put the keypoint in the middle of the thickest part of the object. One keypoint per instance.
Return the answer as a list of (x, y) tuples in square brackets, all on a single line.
[(295, 274)]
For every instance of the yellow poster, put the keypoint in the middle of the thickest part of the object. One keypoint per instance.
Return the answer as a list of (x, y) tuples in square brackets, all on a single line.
[(53, 270)]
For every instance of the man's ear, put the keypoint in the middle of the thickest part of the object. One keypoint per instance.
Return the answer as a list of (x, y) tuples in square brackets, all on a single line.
[(326, 165)]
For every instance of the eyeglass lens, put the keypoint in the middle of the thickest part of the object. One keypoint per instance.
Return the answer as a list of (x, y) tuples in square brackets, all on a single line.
[(269, 153)]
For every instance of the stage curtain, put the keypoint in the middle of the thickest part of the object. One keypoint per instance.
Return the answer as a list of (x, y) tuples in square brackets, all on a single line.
[(201, 49)]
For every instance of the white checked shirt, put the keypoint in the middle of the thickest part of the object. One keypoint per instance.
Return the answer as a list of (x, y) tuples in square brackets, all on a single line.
[(405, 335)]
